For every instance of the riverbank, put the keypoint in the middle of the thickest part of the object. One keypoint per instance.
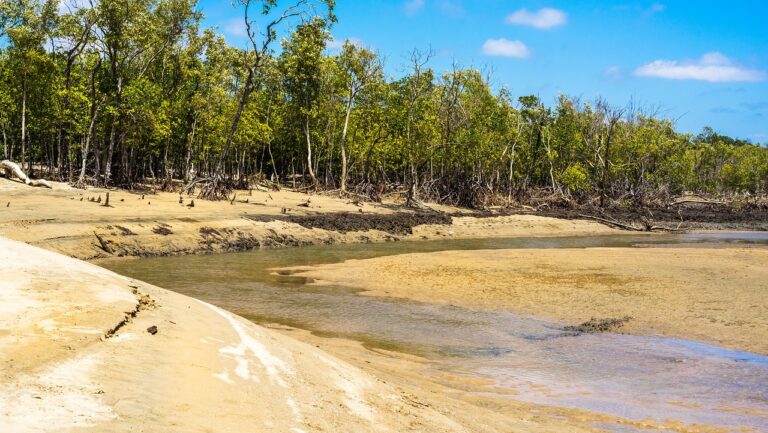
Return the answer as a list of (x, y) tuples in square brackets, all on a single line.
[(76, 223), (60, 369), (715, 296), (88, 350)]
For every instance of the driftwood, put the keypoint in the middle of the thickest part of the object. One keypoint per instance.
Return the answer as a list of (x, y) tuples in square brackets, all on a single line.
[(15, 170), (648, 227), (719, 203), (104, 244), (613, 223)]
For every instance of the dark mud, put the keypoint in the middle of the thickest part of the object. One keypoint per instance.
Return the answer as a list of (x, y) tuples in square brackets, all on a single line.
[(598, 326), (681, 217), (232, 240), (400, 223)]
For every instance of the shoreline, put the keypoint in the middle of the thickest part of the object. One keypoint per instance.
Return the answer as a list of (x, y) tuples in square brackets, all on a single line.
[(65, 220), (202, 349), (172, 365)]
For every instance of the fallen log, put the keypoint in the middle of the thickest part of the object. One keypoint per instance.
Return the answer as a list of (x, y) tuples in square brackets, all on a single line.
[(705, 202), (15, 170), (648, 227), (613, 223)]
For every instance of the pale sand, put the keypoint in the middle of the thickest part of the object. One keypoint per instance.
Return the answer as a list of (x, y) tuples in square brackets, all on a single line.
[(58, 220), (206, 370), (718, 296)]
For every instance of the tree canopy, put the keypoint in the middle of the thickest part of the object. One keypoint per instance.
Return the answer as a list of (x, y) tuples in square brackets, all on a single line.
[(124, 92)]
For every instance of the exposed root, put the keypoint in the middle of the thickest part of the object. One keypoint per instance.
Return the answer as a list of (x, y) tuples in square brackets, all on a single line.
[(211, 188)]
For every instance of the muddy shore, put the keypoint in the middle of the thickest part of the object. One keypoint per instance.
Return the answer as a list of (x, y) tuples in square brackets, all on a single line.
[(693, 215), (77, 223), (714, 296)]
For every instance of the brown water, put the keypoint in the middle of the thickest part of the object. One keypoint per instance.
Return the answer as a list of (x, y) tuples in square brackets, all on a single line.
[(627, 376)]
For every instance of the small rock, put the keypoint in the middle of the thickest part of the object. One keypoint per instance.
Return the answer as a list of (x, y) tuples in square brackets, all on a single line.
[(152, 329)]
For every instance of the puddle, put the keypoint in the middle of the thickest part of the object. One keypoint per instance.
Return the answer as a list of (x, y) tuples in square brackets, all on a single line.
[(519, 357)]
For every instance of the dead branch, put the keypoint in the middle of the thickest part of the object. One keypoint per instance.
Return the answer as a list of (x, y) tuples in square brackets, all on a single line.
[(648, 226), (15, 170), (719, 203), (613, 223)]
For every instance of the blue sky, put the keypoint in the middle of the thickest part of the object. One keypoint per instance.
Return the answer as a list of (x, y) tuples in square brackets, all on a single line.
[(702, 63)]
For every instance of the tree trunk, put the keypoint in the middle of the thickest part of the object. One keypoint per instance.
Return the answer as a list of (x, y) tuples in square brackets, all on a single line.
[(23, 118), (113, 134), (604, 180), (344, 143), (5, 143), (87, 146), (309, 151)]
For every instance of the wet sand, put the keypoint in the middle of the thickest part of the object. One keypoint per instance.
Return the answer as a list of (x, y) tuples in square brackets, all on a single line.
[(204, 370), (716, 296)]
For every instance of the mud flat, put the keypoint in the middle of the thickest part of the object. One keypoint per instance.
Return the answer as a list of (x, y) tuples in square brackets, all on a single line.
[(76, 223), (88, 350), (717, 296)]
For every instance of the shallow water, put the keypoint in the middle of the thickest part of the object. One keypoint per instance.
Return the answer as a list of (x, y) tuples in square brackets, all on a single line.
[(522, 357)]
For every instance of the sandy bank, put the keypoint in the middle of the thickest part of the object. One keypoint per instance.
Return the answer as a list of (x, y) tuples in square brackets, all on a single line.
[(204, 370), (65, 220), (710, 295)]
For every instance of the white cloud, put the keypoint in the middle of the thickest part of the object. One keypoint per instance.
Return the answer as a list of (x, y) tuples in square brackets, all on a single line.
[(654, 9), (337, 44), (613, 73), (543, 19), (412, 7), (235, 27), (505, 48), (712, 67), (451, 7)]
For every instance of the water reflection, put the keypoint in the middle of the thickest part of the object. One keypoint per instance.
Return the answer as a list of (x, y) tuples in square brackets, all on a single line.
[(627, 376)]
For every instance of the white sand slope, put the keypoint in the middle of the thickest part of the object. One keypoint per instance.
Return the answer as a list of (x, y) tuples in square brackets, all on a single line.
[(206, 370)]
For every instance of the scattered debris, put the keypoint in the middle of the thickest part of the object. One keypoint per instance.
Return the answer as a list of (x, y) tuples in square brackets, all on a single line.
[(597, 326), (162, 229), (124, 231)]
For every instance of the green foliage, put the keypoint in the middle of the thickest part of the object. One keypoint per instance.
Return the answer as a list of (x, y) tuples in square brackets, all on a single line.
[(576, 179), (155, 97)]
